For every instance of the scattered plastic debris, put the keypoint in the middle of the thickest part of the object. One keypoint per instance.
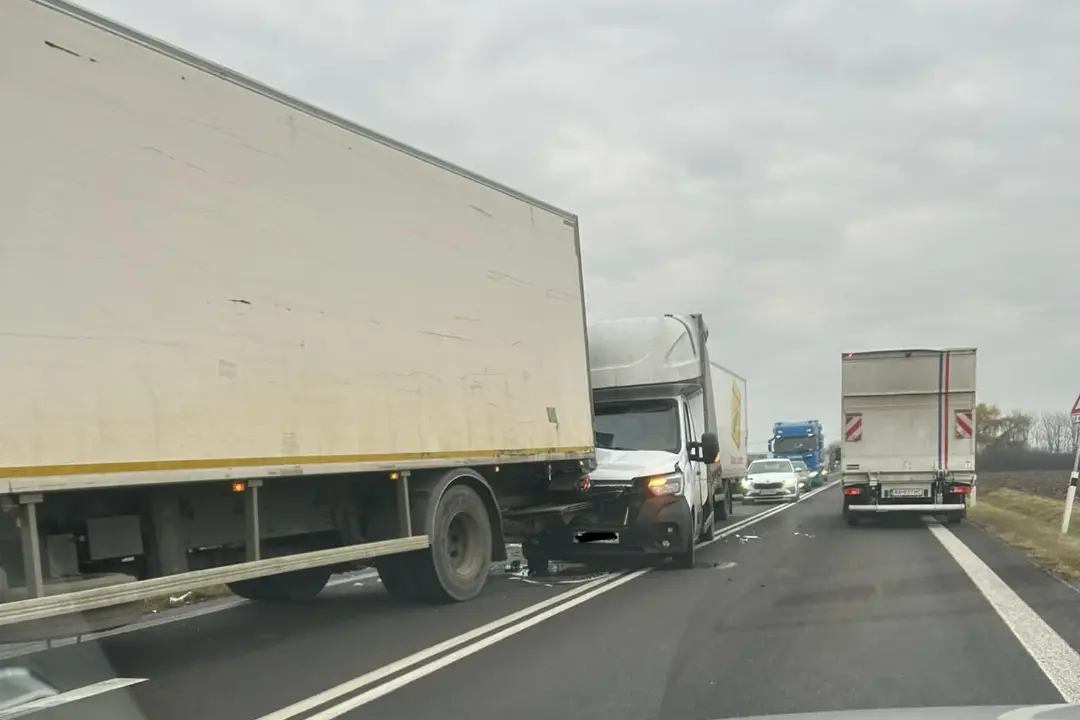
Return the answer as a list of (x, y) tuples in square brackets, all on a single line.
[(745, 538), (177, 599), (804, 534)]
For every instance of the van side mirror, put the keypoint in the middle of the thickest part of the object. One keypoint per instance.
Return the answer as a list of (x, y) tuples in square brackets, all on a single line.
[(710, 448)]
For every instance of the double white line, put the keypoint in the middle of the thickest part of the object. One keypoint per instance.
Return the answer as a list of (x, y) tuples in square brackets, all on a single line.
[(363, 689)]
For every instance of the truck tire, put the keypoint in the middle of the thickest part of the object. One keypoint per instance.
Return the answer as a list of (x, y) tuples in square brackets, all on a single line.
[(708, 529), (455, 567), (536, 562), (286, 587), (849, 517), (723, 512), (397, 572)]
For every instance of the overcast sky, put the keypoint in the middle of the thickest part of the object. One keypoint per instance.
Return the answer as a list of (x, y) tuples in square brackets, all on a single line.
[(813, 176)]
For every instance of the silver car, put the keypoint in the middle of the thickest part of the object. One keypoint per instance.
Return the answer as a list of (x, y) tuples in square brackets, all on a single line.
[(771, 480), (803, 471)]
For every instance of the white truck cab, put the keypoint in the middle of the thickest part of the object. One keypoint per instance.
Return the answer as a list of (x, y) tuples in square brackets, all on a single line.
[(658, 437)]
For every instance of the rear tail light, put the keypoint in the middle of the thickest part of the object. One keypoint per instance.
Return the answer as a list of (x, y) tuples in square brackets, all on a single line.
[(584, 483), (961, 489), (853, 491)]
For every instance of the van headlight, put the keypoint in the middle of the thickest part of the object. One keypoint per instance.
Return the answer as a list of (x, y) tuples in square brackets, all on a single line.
[(669, 484), (789, 482)]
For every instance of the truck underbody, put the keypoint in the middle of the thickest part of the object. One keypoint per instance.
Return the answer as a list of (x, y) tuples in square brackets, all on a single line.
[(81, 561), (943, 495)]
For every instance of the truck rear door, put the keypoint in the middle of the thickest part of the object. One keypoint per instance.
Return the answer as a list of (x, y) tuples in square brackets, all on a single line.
[(908, 416)]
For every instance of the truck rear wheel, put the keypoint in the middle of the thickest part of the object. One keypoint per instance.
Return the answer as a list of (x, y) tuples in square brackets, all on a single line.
[(290, 586), (456, 566), (955, 517), (397, 575), (723, 510)]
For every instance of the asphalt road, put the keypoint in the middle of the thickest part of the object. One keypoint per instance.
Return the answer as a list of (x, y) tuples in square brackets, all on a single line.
[(795, 612)]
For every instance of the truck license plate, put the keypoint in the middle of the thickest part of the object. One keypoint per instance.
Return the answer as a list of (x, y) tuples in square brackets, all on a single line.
[(907, 492)]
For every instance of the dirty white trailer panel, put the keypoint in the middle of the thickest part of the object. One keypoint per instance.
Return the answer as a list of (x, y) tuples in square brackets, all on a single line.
[(729, 395), (204, 277)]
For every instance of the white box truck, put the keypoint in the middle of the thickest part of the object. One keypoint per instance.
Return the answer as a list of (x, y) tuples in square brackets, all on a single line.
[(246, 341), (670, 443), (733, 430), (909, 432)]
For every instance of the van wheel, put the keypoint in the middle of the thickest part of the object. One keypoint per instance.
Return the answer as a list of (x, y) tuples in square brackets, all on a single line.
[(708, 532), (685, 560), (724, 511)]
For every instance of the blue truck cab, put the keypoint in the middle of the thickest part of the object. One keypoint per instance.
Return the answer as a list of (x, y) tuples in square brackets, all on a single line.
[(801, 441)]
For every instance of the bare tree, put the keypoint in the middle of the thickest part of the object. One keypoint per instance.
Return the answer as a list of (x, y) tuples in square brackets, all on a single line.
[(1054, 432)]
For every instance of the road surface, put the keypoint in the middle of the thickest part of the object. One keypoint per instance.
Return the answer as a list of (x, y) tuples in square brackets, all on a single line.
[(790, 611)]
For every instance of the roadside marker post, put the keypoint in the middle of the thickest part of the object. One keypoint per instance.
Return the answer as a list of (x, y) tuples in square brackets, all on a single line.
[(1074, 477)]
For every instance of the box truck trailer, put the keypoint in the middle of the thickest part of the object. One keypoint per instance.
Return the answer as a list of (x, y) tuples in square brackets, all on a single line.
[(909, 432), (247, 341)]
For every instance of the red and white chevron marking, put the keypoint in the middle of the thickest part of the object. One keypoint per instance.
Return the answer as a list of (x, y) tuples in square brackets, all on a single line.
[(853, 427), (964, 424)]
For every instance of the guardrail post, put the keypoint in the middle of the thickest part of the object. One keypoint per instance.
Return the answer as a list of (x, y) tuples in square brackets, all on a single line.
[(1070, 495)]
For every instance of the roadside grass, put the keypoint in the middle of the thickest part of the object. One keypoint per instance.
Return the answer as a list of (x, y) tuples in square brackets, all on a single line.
[(1032, 523), (167, 602)]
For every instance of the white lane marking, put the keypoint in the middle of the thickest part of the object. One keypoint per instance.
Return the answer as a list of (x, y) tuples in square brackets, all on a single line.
[(82, 693), (528, 616), (723, 532), (420, 656), (212, 606), (15, 650), (1058, 660), (419, 672)]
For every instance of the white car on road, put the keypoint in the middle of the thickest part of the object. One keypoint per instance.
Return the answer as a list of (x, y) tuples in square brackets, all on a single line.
[(774, 479)]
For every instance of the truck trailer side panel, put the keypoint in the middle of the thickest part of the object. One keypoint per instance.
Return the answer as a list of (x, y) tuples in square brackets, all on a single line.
[(729, 393), (203, 277)]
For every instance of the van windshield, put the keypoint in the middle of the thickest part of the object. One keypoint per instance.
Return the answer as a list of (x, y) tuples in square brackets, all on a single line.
[(638, 425)]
